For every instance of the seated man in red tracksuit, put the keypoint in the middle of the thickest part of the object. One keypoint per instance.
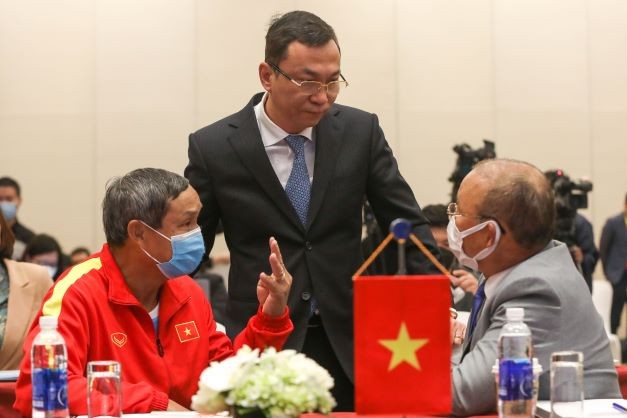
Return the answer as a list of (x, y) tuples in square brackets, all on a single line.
[(133, 301)]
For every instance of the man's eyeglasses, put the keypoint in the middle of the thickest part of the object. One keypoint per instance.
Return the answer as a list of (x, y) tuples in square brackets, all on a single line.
[(453, 210), (313, 87)]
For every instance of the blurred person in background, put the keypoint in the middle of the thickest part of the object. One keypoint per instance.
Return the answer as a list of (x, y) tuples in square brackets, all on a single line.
[(78, 255), (22, 287), (46, 251), (572, 228), (10, 201), (613, 249)]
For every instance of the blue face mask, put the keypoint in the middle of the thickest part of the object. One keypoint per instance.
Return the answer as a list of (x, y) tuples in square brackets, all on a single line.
[(9, 210), (187, 252)]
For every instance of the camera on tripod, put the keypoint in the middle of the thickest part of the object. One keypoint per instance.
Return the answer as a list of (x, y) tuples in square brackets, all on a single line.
[(466, 160), (569, 196)]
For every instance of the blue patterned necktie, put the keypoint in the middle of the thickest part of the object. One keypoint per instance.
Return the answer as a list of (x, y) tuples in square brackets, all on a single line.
[(477, 303), (298, 188)]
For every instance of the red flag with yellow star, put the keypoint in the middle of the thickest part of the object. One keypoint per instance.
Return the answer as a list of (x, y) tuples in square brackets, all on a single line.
[(402, 345)]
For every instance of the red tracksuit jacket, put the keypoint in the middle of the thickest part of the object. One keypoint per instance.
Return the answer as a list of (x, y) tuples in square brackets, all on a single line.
[(100, 319)]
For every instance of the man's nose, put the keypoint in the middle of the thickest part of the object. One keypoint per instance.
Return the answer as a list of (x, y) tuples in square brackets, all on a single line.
[(321, 97)]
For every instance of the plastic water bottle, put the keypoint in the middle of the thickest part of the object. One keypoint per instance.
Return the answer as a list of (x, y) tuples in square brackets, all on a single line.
[(515, 352), (49, 371)]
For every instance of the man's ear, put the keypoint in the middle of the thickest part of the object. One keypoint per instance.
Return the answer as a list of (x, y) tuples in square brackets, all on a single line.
[(266, 76), (492, 234), (135, 230)]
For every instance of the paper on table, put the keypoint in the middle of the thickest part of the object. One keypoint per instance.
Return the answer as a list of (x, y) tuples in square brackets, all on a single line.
[(597, 408), (168, 414)]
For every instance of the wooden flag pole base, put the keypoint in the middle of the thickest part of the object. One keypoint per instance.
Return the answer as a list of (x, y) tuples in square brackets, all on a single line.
[(384, 244), (374, 255), (420, 246)]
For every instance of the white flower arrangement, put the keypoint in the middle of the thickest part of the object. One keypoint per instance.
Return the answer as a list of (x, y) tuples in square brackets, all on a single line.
[(280, 384)]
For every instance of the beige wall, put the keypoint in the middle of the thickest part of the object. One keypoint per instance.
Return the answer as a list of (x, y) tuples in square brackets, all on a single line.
[(93, 89)]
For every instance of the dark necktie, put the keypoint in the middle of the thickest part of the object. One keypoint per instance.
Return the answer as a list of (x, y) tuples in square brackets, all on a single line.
[(298, 188), (477, 303)]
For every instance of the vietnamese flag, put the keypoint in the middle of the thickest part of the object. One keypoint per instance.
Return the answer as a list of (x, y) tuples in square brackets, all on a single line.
[(402, 345)]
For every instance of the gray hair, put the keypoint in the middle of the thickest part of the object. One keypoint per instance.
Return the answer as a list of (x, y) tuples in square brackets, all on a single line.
[(520, 196), (143, 194)]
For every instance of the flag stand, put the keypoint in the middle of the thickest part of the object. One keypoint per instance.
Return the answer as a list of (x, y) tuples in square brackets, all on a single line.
[(402, 337)]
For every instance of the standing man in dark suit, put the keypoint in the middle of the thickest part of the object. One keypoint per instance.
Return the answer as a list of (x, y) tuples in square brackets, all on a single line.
[(613, 250), (297, 166)]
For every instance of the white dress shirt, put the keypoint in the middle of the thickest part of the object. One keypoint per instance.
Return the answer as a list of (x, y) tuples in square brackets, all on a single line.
[(279, 152), (492, 281)]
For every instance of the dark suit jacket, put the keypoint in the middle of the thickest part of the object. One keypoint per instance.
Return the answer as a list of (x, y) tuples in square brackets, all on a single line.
[(229, 168), (613, 248), (584, 238)]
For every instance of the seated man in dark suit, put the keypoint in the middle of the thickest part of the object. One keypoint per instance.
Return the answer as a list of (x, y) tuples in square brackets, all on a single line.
[(502, 225)]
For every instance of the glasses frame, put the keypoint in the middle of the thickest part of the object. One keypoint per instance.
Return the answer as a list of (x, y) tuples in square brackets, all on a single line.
[(452, 210), (300, 84)]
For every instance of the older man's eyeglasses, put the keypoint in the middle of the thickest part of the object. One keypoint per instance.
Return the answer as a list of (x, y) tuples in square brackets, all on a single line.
[(310, 88), (453, 210)]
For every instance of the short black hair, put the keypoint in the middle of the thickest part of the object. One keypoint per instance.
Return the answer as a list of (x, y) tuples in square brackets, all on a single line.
[(9, 182), (79, 250), (298, 25), (41, 244), (436, 215)]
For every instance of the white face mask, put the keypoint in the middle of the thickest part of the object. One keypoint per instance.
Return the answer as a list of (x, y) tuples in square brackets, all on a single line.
[(52, 270), (456, 241)]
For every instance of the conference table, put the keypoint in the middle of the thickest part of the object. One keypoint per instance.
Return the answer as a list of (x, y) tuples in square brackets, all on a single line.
[(7, 397)]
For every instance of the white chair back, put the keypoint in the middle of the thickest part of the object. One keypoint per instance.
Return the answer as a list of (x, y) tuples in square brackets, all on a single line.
[(602, 299)]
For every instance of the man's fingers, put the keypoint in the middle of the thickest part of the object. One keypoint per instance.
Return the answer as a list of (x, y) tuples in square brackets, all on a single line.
[(271, 283), (278, 270), (274, 249)]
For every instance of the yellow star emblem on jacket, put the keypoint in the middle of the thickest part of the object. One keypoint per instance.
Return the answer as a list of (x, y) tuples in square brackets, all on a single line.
[(404, 348)]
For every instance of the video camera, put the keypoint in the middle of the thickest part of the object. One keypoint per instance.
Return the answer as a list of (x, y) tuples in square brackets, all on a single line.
[(569, 196), (466, 160)]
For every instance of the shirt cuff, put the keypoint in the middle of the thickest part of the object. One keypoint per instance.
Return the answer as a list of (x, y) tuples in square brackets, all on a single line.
[(159, 401), (273, 323)]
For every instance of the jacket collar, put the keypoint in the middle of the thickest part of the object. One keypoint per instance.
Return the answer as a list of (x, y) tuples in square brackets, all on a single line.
[(172, 294), (247, 143)]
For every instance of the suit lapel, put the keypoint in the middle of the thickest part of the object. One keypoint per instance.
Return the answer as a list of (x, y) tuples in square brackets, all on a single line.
[(468, 344), (328, 141), (247, 143)]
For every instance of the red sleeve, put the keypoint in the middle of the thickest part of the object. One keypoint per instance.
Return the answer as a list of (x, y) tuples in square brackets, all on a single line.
[(140, 397), (260, 332), (263, 331)]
